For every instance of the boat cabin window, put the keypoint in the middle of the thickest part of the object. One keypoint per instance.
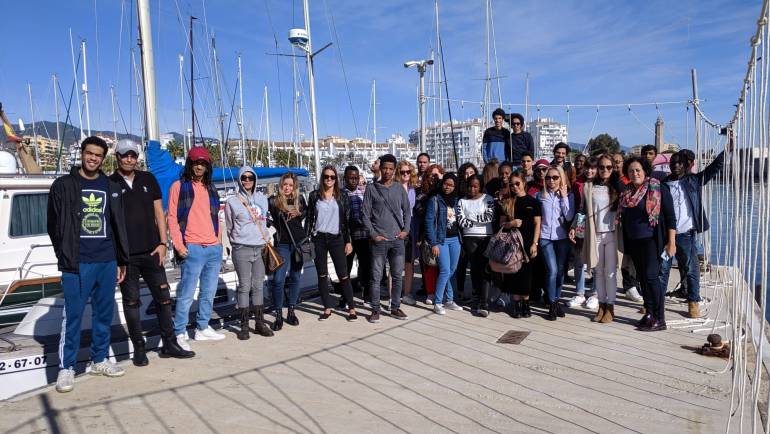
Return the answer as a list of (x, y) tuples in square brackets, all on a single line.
[(29, 214)]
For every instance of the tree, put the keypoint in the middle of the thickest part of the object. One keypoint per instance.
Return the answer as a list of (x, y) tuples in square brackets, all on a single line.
[(175, 149), (603, 144)]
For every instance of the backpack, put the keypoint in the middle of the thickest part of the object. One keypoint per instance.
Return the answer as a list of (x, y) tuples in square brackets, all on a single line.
[(506, 252)]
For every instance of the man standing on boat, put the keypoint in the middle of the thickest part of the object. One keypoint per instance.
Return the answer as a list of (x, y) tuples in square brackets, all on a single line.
[(88, 234), (193, 221), (521, 142), (497, 139), (686, 191), (387, 216), (143, 207)]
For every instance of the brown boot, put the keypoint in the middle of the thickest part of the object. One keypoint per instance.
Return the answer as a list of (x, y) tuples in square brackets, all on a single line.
[(600, 313), (609, 313), (693, 309)]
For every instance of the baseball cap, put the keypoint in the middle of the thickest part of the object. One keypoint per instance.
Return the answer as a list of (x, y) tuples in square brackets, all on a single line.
[(125, 146), (199, 153), (542, 162)]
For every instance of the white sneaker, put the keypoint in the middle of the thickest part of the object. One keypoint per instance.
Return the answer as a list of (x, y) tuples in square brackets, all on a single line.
[(209, 334), (408, 300), (429, 299), (106, 368), (576, 301), (181, 339), (65, 382), (592, 303), (633, 294), (439, 309), (451, 305)]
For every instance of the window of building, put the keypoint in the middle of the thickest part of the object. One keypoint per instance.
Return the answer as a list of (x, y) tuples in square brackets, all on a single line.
[(28, 214)]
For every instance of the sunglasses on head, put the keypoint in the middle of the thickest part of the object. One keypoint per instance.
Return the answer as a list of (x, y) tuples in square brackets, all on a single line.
[(248, 178), (553, 177), (332, 177)]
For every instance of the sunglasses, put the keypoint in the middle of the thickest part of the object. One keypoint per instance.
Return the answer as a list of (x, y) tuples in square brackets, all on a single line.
[(199, 163), (332, 177), (406, 172), (516, 184), (542, 169), (552, 178), (248, 178), (516, 123), (605, 167)]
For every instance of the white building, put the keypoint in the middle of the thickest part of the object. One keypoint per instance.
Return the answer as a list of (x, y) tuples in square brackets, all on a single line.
[(546, 133), (439, 144)]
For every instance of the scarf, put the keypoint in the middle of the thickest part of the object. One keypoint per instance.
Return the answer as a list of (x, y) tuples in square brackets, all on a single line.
[(650, 190)]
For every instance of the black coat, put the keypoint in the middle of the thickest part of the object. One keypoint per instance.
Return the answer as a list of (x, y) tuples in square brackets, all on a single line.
[(343, 205), (692, 184), (65, 218)]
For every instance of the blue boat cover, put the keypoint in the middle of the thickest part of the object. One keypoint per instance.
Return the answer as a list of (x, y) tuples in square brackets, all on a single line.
[(166, 170)]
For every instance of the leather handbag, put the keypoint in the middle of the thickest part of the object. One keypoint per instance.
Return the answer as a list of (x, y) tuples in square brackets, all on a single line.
[(304, 249), (272, 259)]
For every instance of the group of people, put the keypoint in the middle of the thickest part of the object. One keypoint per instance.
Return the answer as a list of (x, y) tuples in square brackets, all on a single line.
[(598, 213)]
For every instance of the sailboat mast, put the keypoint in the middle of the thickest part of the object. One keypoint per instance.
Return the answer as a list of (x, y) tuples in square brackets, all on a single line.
[(34, 128), (77, 94), (269, 140), (240, 112), (56, 105), (114, 119), (192, 85), (218, 91), (85, 87), (185, 145), (311, 83), (148, 70)]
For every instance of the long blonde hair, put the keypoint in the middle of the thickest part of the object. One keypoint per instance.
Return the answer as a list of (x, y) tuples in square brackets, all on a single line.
[(281, 200), (563, 181), (509, 203), (412, 175)]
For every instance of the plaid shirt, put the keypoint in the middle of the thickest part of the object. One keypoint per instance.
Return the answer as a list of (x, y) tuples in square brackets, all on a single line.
[(357, 229)]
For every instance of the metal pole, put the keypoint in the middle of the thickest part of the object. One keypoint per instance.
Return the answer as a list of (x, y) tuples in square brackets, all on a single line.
[(695, 103), (421, 101), (34, 129), (77, 94), (219, 103), (240, 112), (311, 83), (269, 141), (185, 145), (192, 85), (526, 100), (56, 105), (85, 87), (374, 116), (148, 70), (114, 119)]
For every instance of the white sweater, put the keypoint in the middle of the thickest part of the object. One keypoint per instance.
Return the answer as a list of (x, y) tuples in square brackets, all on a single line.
[(475, 216)]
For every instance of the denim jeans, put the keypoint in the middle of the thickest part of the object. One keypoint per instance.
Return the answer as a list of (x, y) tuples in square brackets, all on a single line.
[(201, 264), (97, 282), (250, 269), (554, 254), (294, 271), (687, 259), (449, 255), (391, 251)]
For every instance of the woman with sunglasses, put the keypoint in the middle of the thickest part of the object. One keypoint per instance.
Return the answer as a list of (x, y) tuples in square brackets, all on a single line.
[(537, 183), (649, 230), (287, 209), (443, 234), (429, 184), (586, 173), (328, 211), (558, 207), (407, 176), (246, 217), (522, 212), (475, 214), (599, 248)]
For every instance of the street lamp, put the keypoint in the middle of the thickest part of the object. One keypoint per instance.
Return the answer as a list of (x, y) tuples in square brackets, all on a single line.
[(422, 66)]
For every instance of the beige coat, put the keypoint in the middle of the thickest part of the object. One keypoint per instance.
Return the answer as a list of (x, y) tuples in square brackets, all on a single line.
[(590, 252)]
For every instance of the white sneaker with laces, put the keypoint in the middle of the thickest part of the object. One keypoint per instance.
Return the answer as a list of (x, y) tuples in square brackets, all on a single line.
[(592, 302), (633, 294), (451, 305), (408, 300), (106, 368), (65, 381), (181, 339), (576, 301), (208, 334), (429, 299), (439, 309)]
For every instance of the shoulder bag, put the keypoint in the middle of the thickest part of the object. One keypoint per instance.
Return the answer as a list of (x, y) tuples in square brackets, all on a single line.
[(304, 250), (272, 259)]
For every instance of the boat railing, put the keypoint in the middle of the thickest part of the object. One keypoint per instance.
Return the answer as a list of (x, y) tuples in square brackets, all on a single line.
[(21, 268)]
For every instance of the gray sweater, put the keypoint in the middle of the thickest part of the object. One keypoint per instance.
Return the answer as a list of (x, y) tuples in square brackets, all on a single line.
[(378, 218), (241, 228)]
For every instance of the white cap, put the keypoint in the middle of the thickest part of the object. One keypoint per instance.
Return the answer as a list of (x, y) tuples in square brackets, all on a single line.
[(127, 145)]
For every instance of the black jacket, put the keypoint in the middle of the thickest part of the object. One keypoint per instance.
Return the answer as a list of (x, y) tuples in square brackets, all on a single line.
[(65, 217), (343, 205), (692, 185), (278, 218)]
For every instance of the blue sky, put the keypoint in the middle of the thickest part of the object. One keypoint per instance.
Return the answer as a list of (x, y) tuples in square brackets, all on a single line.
[(576, 52)]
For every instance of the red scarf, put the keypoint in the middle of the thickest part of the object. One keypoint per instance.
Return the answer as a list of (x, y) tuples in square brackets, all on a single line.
[(650, 190)]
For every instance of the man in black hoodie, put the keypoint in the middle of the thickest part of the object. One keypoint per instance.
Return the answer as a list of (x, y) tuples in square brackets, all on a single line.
[(521, 142), (88, 234)]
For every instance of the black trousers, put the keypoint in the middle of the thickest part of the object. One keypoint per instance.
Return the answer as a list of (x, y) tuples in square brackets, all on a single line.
[(474, 248), (647, 261), (146, 266), (362, 251), (334, 245)]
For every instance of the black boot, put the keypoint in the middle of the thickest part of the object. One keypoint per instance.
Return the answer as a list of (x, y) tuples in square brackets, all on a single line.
[(259, 322), (278, 323), (291, 318), (552, 312), (516, 309), (171, 348), (559, 310), (526, 311), (243, 333), (140, 356)]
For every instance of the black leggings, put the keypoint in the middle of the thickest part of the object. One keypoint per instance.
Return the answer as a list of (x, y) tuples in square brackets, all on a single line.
[(474, 248), (646, 258), (334, 245)]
